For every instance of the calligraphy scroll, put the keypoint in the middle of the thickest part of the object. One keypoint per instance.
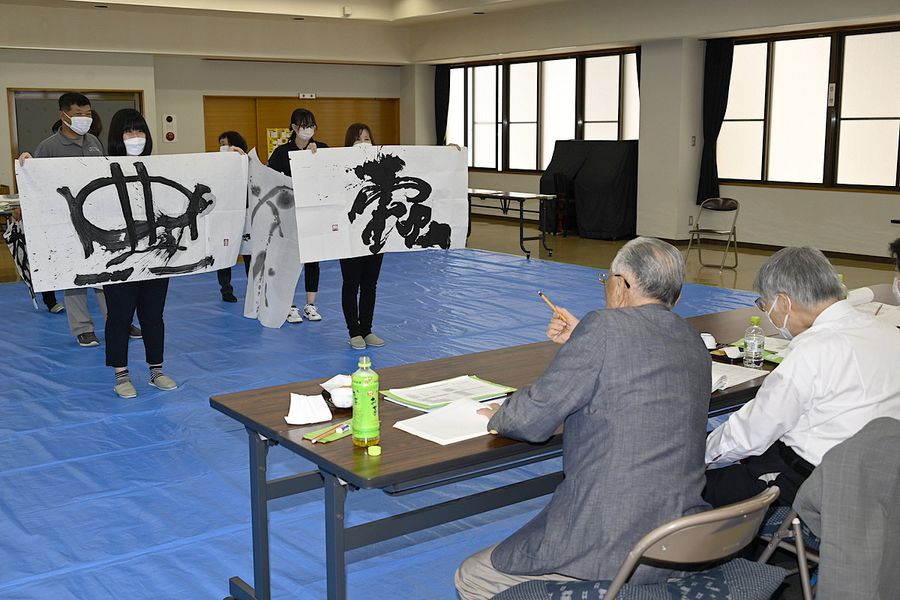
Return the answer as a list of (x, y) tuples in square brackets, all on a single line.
[(374, 199), (91, 221), (275, 266)]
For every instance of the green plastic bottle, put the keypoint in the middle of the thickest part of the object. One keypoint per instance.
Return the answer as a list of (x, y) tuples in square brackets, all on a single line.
[(365, 426)]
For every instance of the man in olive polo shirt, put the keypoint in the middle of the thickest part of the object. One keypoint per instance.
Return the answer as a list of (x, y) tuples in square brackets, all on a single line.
[(73, 140)]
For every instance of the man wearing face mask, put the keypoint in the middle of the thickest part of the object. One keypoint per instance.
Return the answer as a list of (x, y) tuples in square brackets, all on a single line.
[(73, 140), (839, 373)]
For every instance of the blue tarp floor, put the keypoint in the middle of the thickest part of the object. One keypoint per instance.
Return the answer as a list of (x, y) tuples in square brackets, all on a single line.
[(148, 498)]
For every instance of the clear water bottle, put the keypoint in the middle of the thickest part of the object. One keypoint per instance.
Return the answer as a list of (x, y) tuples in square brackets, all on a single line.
[(365, 424), (754, 344)]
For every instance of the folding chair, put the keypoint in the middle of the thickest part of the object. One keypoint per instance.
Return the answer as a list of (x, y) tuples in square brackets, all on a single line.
[(699, 538), (713, 208), (784, 530)]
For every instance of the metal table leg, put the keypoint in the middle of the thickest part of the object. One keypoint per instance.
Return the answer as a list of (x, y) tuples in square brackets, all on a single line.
[(522, 230), (335, 537), (543, 230), (259, 515)]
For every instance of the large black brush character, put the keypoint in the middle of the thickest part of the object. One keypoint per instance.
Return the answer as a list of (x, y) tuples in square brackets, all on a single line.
[(381, 181), (164, 233)]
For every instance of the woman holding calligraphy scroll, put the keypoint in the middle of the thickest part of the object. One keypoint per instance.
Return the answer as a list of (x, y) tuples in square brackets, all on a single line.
[(130, 136)]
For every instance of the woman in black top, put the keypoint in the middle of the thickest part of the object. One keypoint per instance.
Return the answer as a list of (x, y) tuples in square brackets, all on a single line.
[(303, 126), (360, 274), (130, 136)]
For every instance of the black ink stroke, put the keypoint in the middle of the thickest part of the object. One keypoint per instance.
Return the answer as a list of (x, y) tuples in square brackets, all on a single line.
[(278, 198), (106, 277), (381, 181), (164, 233)]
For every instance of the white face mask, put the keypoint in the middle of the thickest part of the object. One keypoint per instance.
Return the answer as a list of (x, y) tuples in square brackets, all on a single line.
[(896, 289), (134, 146), (783, 330), (224, 148), (80, 125), (359, 143), (305, 133)]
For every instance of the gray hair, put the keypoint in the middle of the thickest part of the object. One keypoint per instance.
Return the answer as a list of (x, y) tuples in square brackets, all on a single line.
[(654, 267), (804, 274)]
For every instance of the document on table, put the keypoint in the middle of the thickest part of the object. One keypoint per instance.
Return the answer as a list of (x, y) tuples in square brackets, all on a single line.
[(434, 395), (890, 315), (456, 422), (725, 376)]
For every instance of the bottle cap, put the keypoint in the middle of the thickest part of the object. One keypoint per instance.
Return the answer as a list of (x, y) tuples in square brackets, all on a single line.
[(374, 451), (364, 361), (754, 321)]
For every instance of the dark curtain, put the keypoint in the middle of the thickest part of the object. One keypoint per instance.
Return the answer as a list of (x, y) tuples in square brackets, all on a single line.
[(441, 103), (716, 78)]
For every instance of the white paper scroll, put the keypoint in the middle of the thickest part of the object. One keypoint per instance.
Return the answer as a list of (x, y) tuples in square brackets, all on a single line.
[(97, 220), (374, 199), (275, 266)]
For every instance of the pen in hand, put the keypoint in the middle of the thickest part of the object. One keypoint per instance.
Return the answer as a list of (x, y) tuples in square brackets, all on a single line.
[(552, 306)]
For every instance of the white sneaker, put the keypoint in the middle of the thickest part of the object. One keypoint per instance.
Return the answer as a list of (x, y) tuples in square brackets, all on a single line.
[(294, 315), (310, 312)]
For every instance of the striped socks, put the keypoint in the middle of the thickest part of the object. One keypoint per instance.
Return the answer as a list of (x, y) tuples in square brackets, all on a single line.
[(155, 372), (122, 376)]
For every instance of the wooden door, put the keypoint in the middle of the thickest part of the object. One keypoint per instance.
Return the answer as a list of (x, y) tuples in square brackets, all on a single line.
[(225, 113)]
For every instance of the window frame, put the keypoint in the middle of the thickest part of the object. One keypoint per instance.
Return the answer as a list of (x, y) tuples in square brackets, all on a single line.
[(833, 116), (503, 143)]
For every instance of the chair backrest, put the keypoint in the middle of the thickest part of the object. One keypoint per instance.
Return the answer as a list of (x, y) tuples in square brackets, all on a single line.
[(702, 537)]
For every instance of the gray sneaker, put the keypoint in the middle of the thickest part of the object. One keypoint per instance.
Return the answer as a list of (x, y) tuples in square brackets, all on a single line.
[(357, 342), (125, 389), (374, 340), (87, 340), (134, 332), (164, 382)]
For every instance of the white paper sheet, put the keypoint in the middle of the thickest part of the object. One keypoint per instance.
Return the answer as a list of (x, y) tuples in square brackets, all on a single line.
[(440, 393), (725, 376), (307, 409), (373, 199), (275, 265), (456, 422), (96, 220)]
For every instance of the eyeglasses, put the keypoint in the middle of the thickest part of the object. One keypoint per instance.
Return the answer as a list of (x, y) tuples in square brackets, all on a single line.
[(604, 279), (761, 304)]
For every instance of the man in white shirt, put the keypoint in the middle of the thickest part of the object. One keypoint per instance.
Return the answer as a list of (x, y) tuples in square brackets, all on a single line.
[(839, 373)]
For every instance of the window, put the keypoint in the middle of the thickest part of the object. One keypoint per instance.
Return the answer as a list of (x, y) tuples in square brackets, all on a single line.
[(821, 110), (870, 110), (510, 115)]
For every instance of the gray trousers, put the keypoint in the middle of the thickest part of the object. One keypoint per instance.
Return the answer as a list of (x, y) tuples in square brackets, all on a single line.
[(77, 309), (477, 579)]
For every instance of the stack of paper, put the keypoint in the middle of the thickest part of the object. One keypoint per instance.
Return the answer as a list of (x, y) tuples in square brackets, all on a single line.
[(430, 396), (453, 423), (725, 376)]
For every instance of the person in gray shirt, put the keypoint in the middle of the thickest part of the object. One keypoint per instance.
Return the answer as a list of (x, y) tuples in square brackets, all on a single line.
[(631, 385), (72, 140)]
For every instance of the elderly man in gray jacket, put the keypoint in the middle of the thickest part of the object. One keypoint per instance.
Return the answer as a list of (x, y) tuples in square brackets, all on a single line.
[(631, 384)]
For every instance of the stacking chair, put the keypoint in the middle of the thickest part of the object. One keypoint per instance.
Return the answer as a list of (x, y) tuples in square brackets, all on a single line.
[(716, 210), (695, 539), (784, 530)]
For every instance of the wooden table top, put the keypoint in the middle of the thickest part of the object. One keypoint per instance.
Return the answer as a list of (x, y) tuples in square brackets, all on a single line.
[(483, 193), (406, 457)]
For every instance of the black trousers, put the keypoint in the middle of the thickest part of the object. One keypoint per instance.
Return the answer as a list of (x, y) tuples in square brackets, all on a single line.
[(311, 277), (360, 278), (49, 299), (148, 298), (741, 481), (224, 276)]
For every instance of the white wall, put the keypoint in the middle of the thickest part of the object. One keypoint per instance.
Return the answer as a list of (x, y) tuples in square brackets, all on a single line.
[(668, 165), (852, 222), (69, 71), (181, 83)]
